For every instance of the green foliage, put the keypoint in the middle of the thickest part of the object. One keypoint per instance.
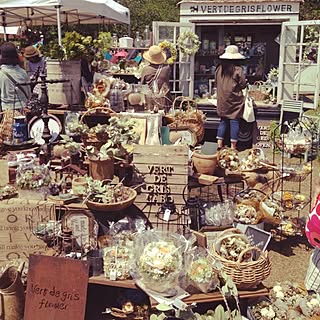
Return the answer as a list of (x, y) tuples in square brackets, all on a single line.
[(310, 10), (72, 146), (103, 42), (143, 12)]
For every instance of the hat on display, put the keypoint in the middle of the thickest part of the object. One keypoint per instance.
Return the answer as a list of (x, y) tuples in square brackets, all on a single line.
[(30, 52), (9, 54), (155, 55), (232, 53)]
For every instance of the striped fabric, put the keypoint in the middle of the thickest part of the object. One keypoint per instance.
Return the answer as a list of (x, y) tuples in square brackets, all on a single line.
[(312, 280)]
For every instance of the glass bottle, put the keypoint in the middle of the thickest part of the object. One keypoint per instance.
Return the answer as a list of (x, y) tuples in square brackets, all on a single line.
[(116, 98), (147, 36), (137, 40), (114, 41)]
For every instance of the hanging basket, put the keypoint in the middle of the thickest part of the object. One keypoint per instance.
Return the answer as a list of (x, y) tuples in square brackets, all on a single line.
[(245, 274)]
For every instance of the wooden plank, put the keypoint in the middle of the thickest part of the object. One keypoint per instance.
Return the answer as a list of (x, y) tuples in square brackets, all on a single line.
[(162, 168), (56, 289), (160, 149), (157, 159), (18, 218)]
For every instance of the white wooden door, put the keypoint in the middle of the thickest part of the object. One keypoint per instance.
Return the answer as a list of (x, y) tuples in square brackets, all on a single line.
[(183, 68), (299, 63)]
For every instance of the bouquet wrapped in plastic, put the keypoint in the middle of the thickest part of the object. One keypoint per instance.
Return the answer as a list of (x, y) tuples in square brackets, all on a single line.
[(157, 259), (201, 272)]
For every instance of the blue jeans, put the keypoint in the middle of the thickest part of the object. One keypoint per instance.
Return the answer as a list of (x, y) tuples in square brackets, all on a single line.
[(234, 129)]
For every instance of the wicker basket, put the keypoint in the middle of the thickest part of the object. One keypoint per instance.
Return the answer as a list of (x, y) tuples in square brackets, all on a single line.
[(113, 207), (93, 139), (245, 274), (194, 122)]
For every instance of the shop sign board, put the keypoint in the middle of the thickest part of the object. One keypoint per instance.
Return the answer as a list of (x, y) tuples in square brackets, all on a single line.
[(56, 289), (18, 219), (208, 8), (163, 171), (262, 138)]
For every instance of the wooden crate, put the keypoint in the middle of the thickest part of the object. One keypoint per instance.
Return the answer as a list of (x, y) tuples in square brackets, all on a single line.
[(164, 170)]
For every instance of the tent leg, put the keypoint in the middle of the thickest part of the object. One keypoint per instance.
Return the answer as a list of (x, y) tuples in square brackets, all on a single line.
[(59, 25)]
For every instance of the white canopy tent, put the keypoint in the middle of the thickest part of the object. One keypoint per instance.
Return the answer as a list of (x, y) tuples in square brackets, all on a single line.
[(51, 12)]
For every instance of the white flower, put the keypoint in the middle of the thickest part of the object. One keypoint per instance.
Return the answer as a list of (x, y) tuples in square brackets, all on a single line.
[(268, 312), (277, 288), (280, 295)]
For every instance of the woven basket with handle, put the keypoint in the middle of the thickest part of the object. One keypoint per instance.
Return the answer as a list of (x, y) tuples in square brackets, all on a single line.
[(245, 274), (192, 118)]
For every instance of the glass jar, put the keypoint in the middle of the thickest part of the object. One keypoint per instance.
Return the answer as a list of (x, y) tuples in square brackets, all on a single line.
[(137, 40), (147, 36)]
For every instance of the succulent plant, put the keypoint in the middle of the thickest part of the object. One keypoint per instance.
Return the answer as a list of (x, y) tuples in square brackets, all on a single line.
[(72, 146)]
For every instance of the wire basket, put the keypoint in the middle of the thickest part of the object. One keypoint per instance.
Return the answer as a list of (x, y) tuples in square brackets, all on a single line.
[(295, 172), (245, 274)]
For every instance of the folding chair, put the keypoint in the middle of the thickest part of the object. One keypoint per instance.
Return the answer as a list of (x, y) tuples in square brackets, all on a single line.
[(294, 106)]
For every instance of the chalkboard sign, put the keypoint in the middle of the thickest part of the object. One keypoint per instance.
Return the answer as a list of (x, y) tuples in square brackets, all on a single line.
[(56, 288), (258, 237)]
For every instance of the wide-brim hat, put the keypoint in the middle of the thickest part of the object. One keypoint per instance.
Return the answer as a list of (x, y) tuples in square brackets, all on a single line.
[(30, 52), (232, 53), (155, 55)]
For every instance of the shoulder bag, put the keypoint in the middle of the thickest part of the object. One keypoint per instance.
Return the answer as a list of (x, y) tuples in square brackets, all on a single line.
[(248, 112)]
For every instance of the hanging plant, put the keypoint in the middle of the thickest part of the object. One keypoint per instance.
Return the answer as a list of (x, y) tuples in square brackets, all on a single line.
[(170, 49), (184, 40)]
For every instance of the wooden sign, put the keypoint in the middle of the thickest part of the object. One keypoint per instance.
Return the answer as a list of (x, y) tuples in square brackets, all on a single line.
[(164, 172), (18, 219), (56, 288)]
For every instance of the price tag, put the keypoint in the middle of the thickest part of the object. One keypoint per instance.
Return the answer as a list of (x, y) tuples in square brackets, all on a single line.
[(166, 215), (113, 274), (180, 304)]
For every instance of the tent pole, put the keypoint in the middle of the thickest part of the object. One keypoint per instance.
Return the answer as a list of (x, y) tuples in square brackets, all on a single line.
[(4, 24), (59, 25)]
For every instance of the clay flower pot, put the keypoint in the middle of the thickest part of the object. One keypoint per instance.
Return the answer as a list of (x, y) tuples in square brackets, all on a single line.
[(205, 164), (101, 169)]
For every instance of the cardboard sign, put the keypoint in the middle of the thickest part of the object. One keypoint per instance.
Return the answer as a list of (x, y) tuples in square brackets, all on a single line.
[(56, 289), (18, 219)]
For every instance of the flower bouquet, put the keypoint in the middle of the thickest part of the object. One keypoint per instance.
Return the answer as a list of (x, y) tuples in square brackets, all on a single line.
[(200, 271), (158, 259)]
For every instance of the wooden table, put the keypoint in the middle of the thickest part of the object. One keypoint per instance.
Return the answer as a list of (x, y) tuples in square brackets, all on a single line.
[(214, 296)]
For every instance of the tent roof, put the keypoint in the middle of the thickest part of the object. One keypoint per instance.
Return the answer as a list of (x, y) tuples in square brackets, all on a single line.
[(43, 12)]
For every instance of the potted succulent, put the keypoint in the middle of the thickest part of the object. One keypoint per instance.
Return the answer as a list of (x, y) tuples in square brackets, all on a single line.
[(120, 134), (103, 196), (72, 149)]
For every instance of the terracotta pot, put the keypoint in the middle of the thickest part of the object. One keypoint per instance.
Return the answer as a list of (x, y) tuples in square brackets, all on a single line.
[(101, 169), (205, 164)]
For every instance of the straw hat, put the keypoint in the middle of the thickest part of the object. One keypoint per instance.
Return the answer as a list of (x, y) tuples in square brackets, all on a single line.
[(30, 52), (232, 53), (155, 55)]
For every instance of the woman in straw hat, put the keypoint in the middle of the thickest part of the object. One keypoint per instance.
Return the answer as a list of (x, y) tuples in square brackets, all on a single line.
[(157, 74), (35, 63), (230, 81)]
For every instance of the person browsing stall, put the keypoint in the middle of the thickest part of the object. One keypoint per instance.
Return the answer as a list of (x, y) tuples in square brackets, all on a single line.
[(157, 74), (12, 95), (35, 62), (230, 81)]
